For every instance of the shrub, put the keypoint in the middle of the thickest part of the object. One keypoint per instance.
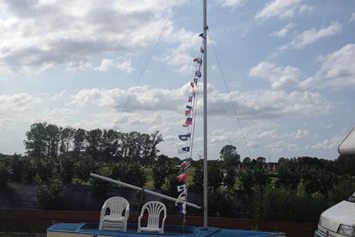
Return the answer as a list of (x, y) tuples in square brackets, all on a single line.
[(342, 190), (4, 175), (222, 203), (67, 169), (162, 168), (44, 169), (280, 204), (29, 170), (135, 176), (84, 167), (49, 195), (119, 171), (99, 186), (17, 168), (229, 178)]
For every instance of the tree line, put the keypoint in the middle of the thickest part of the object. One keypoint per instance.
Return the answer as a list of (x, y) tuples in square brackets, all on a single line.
[(50, 141)]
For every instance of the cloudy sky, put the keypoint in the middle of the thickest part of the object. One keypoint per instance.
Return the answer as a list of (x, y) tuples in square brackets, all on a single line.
[(288, 65)]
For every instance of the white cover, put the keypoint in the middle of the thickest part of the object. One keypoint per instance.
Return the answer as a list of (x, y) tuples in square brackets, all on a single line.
[(115, 220), (347, 146), (154, 209)]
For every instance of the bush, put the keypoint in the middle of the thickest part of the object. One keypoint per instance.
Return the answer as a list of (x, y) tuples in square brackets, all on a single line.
[(67, 169), (29, 170), (84, 167), (44, 169), (162, 168), (49, 195), (17, 168), (280, 204), (99, 186), (4, 175), (342, 190), (222, 203), (229, 178), (135, 176), (119, 171)]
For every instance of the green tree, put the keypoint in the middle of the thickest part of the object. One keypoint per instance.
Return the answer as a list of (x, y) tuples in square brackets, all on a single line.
[(227, 150), (162, 168), (79, 142), (66, 139), (93, 139), (36, 140), (52, 140)]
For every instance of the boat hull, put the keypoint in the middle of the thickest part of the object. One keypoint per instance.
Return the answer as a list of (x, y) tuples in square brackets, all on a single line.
[(91, 229)]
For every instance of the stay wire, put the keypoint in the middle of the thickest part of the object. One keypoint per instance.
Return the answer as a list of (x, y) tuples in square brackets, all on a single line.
[(146, 64), (230, 97)]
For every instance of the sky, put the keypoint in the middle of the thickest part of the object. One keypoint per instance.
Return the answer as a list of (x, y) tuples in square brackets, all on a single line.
[(287, 67)]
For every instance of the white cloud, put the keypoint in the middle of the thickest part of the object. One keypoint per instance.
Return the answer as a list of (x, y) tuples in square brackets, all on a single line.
[(21, 102), (125, 66), (312, 35), (337, 70), (231, 3), (79, 65), (106, 65), (306, 8), (282, 146), (75, 32), (60, 96), (328, 143), (352, 18), (283, 32), (279, 77), (282, 9), (273, 134)]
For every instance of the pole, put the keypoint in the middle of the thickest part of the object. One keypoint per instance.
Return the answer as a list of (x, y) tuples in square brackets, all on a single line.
[(142, 189), (205, 200)]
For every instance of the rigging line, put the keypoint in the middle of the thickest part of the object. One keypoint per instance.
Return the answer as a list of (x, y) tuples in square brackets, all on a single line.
[(230, 97), (146, 64)]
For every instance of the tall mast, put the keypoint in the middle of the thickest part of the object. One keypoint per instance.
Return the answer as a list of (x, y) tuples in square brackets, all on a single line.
[(205, 200)]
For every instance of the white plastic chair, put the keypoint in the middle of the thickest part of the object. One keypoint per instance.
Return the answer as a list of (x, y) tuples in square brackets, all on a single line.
[(154, 209), (115, 220)]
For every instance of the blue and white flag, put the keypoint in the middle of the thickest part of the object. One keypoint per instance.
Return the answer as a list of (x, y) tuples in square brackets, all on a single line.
[(185, 137), (184, 149), (181, 188)]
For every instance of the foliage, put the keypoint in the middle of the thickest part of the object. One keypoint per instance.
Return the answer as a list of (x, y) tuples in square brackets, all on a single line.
[(135, 175), (99, 186), (221, 203), (50, 195), (4, 175), (215, 174), (198, 176), (119, 171), (67, 169), (162, 168), (230, 177), (229, 156), (252, 177), (17, 168), (44, 169), (84, 167), (342, 190), (280, 204)]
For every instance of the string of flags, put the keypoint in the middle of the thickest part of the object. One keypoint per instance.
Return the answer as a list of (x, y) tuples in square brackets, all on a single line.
[(183, 177)]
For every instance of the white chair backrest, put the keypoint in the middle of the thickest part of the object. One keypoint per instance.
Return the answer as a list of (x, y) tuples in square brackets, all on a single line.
[(117, 206), (115, 220), (154, 209)]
